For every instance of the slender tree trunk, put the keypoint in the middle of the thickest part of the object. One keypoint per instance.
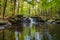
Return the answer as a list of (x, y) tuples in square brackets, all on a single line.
[(0, 7), (14, 8), (38, 11), (4, 8), (29, 11), (18, 7), (11, 7), (21, 6), (0, 10), (51, 12)]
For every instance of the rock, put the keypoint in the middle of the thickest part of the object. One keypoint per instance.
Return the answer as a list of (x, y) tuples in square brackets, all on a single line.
[(57, 21), (27, 20), (38, 19), (54, 21), (3, 22), (50, 21), (16, 19), (16, 27)]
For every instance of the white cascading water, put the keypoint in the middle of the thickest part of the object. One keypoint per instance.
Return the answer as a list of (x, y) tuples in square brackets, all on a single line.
[(32, 20), (29, 24)]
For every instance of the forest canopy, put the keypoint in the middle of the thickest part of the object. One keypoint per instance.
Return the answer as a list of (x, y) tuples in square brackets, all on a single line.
[(30, 8)]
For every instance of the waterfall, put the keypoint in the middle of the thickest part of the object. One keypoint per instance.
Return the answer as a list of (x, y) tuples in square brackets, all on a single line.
[(29, 24), (32, 20)]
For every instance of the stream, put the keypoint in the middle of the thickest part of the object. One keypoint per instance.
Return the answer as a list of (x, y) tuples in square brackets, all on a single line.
[(31, 31)]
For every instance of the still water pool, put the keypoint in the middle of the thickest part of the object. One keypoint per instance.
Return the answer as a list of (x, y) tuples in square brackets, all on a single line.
[(30, 31)]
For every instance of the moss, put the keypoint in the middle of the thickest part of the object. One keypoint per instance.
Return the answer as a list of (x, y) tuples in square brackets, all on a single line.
[(3, 22)]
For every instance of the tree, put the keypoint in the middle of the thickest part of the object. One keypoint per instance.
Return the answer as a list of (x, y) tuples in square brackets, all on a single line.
[(4, 8)]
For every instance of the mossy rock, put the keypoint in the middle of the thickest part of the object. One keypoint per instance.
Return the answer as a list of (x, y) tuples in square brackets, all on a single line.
[(50, 20), (16, 19), (38, 19), (3, 23)]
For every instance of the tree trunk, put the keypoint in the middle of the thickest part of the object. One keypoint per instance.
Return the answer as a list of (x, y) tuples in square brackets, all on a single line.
[(14, 8), (4, 8), (29, 11), (21, 6), (18, 7)]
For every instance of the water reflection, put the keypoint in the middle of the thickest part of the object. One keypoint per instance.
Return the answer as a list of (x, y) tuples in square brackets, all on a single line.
[(16, 34), (31, 31), (48, 35)]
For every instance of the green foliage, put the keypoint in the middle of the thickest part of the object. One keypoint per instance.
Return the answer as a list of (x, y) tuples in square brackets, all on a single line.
[(32, 7)]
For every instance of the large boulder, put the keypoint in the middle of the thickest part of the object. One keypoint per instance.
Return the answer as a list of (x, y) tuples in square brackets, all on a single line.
[(16, 19), (57, 21), (4, 23), (53, 21), (26, 20)]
